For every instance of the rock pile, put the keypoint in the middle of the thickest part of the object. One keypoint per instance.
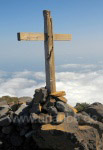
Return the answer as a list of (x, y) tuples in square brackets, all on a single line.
[(48, 122), (14, 132), (51, 108)]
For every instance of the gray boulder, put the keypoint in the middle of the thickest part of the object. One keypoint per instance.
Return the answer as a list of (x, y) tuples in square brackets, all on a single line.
[(62, 107), (67, 135), (86, 120), (52, 111), (95, 111), (39, 98), (40, 95)]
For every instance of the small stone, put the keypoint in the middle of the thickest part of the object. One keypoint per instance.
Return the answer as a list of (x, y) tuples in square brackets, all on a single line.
[(59, 118), (63, 99), (41, 118), (75, 110), (4, 110), (52, 100), (14, 107), (7, 130), (58, 94), (11, 114), (21, 109), (49, 103), (40, 95), (35, 117), (62, 107), (36, 108), (5, 121), (40, 108), (52, 111)]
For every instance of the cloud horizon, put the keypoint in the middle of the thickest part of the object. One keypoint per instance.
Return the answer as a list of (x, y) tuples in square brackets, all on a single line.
[(81, 86)]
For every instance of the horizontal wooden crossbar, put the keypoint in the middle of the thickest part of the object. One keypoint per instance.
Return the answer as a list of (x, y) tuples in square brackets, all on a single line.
[(40, 37), (62, 37)]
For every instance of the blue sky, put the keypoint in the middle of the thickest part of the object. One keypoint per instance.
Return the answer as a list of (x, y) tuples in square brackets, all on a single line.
[(82, 18), (79, 63)]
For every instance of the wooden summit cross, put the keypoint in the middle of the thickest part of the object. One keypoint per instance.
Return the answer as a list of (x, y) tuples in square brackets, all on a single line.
[(48, 38)]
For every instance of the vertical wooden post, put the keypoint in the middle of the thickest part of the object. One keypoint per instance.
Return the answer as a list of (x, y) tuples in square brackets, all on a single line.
[(49, 53)]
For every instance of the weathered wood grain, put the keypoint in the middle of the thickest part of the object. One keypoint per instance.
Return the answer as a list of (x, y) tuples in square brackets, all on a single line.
[(41, 37), (62, 37), (30, 36), (49, 53)]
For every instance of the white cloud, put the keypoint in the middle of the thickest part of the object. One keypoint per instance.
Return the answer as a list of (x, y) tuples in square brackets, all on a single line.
[(78, 65), (79, 86), (82, 67), (29, 74)]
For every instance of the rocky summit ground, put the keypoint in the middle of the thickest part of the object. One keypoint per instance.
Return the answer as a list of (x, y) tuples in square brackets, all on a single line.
[(48, 122)]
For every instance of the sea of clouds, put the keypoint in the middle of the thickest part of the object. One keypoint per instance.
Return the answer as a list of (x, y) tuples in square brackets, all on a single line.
[(82, 82)]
